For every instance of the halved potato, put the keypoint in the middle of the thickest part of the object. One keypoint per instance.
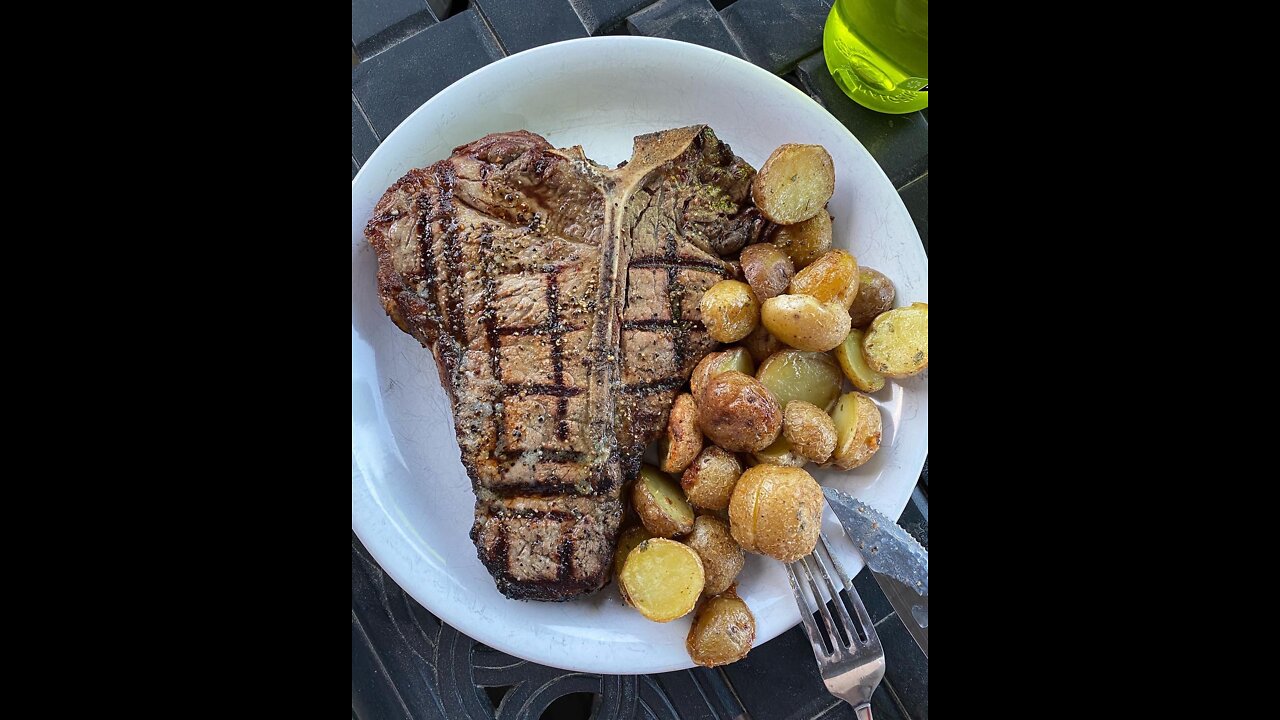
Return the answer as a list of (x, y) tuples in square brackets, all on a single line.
[(663, 579), (858, 427), (738, 413), (683, 440), (849, 355), (722, 632), (780, 453), (805, 242), (734, 358), (875, 296), (660, 504), (767, 268), (897, 343), (794, 184), (798, 375), (809, 429), (761, 344), (729, 310), (831, 278), (776, 511), (709, 480), (722, 559), (627, 542), (804, 323)]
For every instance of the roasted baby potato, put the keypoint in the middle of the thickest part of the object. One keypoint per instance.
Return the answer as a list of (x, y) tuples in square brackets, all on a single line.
[(761, 344), (662, 579), (794, 184), (780, 453), (735, 358), (722, 631), (660, 504), (709, 480), (858, 427), (831, 278), (797, 375), (849, 355), (809, 429), (683, 440), (897, 343), (805, 242), (776, 511), (804, 323), (738, 413), (722, 559), (729, 310), (875, 296), (767, 268), (627, 542)]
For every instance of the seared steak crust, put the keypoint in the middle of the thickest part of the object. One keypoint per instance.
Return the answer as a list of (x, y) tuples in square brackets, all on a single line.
[(560, 300)]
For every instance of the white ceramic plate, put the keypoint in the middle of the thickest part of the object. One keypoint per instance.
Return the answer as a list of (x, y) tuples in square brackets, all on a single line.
[(411, 501)]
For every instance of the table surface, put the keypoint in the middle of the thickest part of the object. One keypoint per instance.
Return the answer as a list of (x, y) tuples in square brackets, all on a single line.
[(405, 663)]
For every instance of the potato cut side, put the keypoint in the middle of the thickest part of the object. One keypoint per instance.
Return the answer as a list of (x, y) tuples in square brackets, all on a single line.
[(662, 579), (794, 184), (855, 367), (780, 453), (798, 375), (807, 241), (831, 278), (897, 343), (660, 504), (858, 429), (627, 542)]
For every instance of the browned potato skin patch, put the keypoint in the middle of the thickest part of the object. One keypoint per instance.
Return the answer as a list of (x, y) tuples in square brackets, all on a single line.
[(768, 270), (684, 439), (722, 632), (875, 296), (761, 344), (805, 242), (832, 278), (809, 429), (794, 184), (722, 559), (776, 511), (734, 358), (708, 482), (738, 413)]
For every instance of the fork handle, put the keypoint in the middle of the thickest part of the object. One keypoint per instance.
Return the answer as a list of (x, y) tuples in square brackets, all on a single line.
[(862, 711)]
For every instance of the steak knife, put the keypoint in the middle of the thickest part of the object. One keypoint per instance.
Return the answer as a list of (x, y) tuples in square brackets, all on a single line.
[(896, 560)]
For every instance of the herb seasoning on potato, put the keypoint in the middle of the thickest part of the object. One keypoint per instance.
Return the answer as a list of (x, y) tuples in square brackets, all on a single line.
[(722, 631), (660, 504), (776, 511), (794, 184), (709, 480)]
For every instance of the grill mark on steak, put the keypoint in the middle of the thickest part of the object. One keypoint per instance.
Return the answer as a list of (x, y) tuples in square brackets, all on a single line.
[(517, 272)]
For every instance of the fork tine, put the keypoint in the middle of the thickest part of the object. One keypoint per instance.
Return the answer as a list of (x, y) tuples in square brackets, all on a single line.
[(806, 617), (864, 619), (851, 629), (836, 645)]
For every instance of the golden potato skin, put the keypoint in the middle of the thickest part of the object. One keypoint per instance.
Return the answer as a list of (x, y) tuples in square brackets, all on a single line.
[(708, 481), (734, 358), (831, 278), (897, 343), (660, 504), (780, 453), (761, 343), (809, 429), (663, 579), (738, 413), (858, 429), (722, 559), (627, 541), (776, 511), (804, 323), (767, 268), (805, 242), (875, 296), (854, 365), (722, 632), (798, 375), (683, 439), (794, 184), (729, 310)]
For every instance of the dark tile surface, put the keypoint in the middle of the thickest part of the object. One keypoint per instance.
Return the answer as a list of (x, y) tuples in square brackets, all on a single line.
[(693, 21), (363, 141), (776, 34), (873, 597), (915, 195), (767, 693), (905, 667), (394, 83), (900, 143), (604, 16), (915, 518), (520, 27), (378, 24)]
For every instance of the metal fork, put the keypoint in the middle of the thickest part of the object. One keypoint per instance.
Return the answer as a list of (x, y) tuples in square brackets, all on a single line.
[(852, 665)]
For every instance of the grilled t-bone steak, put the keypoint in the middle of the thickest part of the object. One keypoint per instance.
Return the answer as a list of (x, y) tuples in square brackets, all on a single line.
[(560, 299)]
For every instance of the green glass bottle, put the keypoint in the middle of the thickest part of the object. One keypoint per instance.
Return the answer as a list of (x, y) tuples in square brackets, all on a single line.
[(878, 52)]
